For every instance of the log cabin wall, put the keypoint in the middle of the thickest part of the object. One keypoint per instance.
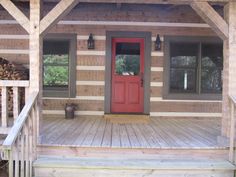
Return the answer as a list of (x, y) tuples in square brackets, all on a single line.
[(91, 63)]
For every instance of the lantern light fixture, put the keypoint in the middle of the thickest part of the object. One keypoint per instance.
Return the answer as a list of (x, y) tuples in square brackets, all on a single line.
[(91, 42), (158, 43)]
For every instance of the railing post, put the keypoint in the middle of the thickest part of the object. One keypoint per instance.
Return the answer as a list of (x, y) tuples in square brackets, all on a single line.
[(232, 132), (16, 103), (10, 155), (4, 106)]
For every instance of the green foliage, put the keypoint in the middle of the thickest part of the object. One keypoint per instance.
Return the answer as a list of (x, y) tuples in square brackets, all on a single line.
[(56, 70), (56, 59), (127, 64)]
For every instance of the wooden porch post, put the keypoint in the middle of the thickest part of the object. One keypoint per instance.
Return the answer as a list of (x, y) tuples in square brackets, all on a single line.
[(35, 56), (229, 72)]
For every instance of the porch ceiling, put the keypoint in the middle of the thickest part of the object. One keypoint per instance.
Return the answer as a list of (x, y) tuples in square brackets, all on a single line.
[(143, 1)]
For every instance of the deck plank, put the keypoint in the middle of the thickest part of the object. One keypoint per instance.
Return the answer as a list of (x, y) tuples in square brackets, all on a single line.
[(132, 136), (182, 138), (191, 138), (115, 136), (97, 141), (91, 134), (142, 140), (160, 129), (148, 136), (204, 137), (158, 133), (84, 133), (74, 126), (70, 138), (125, 142), (106, 142)]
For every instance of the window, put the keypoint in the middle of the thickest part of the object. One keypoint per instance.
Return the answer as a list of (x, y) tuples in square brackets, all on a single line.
[(193, 68), (59, 67)]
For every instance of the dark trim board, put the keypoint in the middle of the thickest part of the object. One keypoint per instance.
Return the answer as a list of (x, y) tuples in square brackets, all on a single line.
[(147, 65)]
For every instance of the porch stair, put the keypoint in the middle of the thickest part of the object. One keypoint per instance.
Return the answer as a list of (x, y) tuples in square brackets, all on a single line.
[(47, 166)]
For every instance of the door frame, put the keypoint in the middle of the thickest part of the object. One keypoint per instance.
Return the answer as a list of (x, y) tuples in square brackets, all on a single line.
[(147, 66)]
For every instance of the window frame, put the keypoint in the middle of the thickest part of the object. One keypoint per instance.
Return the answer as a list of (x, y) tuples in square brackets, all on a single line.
[(166, 84), (56, 91)]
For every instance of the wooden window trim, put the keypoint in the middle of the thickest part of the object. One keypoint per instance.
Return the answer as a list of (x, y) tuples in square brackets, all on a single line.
[(187, 96), (55, 92)]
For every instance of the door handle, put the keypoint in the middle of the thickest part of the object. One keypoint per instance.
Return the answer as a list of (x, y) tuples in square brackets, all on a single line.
[(141, 79)]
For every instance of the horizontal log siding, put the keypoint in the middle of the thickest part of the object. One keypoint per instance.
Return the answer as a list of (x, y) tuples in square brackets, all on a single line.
[(83, 105), (90, 75), (16, 58), (90, 90), (156, 92), (145, 13), (22, 44), (157, 61), (195, 107), (99, 45), (91, 67), (91, 61)]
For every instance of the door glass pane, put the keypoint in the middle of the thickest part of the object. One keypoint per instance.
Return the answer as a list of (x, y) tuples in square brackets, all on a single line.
[(127, 59), (212, 66), (183, 67)]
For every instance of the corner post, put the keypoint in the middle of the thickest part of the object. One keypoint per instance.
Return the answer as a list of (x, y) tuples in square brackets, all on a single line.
[(229, 72), (36, 57)]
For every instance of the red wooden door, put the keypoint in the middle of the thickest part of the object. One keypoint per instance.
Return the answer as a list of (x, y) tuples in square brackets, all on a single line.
[(127, 75)]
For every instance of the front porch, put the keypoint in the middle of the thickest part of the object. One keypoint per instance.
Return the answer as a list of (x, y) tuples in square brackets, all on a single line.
[(188, 116), (160, 133)]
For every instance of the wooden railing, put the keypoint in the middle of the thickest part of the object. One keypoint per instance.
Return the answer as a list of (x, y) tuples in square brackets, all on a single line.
[(232, 100), (5, 86), (19, 148)]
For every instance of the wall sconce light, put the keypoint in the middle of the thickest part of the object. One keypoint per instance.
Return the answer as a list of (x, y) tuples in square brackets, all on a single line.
[(91, 42), (158, 43)]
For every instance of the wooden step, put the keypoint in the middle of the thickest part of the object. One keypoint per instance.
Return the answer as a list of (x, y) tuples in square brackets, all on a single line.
[(90, 167), (143, 153), (127, 118)]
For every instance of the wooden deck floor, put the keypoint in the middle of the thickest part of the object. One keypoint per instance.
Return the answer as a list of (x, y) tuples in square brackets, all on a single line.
[(159, 133)]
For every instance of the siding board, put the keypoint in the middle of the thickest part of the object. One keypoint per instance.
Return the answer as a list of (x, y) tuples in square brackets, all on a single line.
[(185, 107), (90, 76), (83, 105), (88, 90), (91, 60)]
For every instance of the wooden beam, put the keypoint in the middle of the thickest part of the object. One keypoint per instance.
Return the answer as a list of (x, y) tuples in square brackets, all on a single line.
[(210, 16), (152, 1), (58, 12), (143, 1), (16, 13), (229, 79), (36, 44)]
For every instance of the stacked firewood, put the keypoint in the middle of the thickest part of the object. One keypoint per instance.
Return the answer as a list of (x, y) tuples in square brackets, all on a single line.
[(10, 71)]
